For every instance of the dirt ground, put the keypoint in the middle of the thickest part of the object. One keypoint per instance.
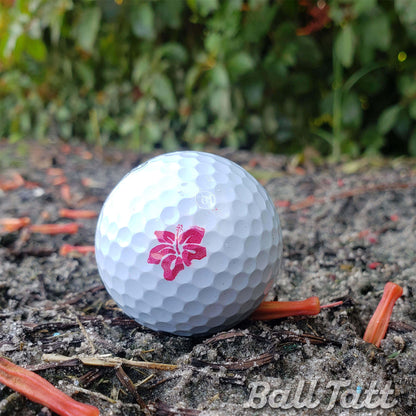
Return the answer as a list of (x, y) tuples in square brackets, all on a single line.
[(347, 230)]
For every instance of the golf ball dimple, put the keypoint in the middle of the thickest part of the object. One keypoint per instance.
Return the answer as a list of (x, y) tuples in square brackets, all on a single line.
[(188, 243)]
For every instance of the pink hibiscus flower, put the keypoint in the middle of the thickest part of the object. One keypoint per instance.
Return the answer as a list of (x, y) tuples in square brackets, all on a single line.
[(177, 250)]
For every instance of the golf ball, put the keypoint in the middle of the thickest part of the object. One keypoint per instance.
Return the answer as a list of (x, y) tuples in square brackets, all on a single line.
[(188, 243)]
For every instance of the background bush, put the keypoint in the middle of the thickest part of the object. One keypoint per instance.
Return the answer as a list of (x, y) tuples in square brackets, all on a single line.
[(271, 75)]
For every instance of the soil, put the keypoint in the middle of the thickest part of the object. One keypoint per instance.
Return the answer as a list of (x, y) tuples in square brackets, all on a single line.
[(348, 228)]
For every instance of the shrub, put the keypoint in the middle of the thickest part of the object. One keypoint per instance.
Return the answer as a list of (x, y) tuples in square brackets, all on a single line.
[(271, 75)]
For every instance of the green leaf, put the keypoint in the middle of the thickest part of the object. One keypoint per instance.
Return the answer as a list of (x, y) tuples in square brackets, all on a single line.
[(388, 119), (350, 148), (219, 76), (142, 20), (412, 144), (87, 28), (220, 102), (301, 83), (412, 109), (344, 46), (358, 75), (407, 86), (239, 64), (151, 132), (372, 140), (162, 89), (309, 52), (170, 11), (169, 141), (63, 114), (141, 68), (175, 52), (253, 124), (270, 122), (351, 111), (403, 126), (406, 10), (214, 42), (203, 7), (364, 6), (25, 122), (65, 129), (191, 78), (36, 49), (127, 126), (258, 22), (376, 32), (85, 73), (192, 5), (253, 93)]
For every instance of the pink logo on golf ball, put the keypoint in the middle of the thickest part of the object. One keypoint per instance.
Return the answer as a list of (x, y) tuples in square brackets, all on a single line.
[(177, 250)]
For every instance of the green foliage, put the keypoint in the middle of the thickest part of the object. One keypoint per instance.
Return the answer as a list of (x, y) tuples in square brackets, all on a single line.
[(194, 73)]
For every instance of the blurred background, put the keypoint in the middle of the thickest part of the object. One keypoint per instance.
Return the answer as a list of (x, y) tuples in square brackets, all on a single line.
[(335, 76)]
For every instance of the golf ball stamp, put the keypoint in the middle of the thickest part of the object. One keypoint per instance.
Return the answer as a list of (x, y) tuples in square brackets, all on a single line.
[(188, 243), (176, 251)]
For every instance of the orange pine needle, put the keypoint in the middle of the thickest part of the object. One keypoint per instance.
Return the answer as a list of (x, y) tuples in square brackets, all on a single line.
[(39, 390), (66, 193), (12, 184), (377, 327), (77, 213), (55, 172), (10, 225), (31, 185), (67, 248), (70, 228), (59, 180), (276, 309)]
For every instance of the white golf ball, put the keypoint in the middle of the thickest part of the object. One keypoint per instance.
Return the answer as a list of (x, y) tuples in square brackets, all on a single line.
[(188, 243)]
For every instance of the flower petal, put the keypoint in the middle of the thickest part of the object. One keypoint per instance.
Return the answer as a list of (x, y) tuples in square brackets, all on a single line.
[(157, 253), (172, 265), (193, 252), (165, 237), (193, 235)]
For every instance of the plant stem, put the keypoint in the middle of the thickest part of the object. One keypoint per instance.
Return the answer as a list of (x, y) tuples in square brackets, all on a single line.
[(337, 106)]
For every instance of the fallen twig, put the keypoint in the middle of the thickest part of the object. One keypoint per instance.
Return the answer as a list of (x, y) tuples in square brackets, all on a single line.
[(225, 335), (289, 336), (87, 378), (258, 361), (128, 384), (77, 389), (160, 408), (87, 337), (81, 295), (401, 326), (46, 366), (103, 361)]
